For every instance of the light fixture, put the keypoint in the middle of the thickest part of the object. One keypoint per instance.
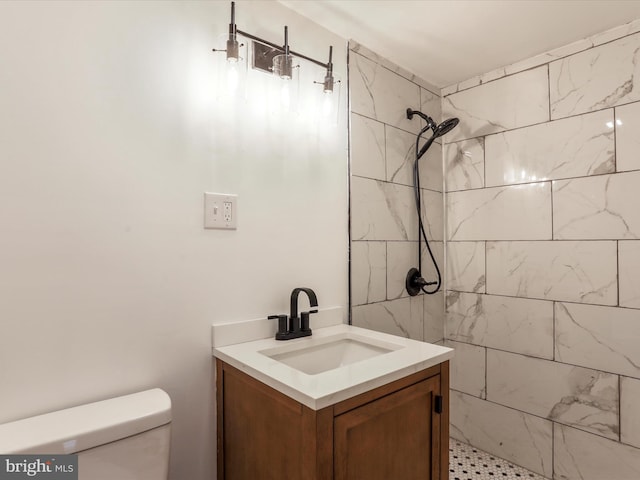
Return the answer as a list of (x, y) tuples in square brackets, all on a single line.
[(275, 59), (283, 63), (330, 97), (327, 84), (233, 46), (233, 75)]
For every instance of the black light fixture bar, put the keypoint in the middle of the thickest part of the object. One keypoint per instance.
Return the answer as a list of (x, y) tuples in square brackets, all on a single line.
[(233, 46), (280, 48)]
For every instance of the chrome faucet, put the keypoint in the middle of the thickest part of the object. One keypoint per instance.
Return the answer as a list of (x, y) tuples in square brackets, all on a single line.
[(298, 326)]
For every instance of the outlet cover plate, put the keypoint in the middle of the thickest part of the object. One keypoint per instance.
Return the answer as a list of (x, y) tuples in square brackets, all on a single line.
[(221, 211)]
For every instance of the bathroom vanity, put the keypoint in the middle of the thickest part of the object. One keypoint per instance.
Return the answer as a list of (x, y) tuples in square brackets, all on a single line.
[(346, 403)]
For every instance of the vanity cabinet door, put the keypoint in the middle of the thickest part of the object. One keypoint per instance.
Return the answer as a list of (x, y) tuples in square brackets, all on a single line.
[(262, 434), (394, 437)]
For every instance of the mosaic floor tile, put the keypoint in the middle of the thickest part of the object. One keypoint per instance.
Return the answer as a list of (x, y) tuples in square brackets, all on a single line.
[(470, 463)]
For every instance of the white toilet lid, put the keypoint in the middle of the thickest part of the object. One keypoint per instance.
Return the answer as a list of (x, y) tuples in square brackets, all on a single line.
[(87, 426)]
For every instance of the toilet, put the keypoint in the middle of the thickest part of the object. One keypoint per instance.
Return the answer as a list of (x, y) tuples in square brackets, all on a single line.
[(123, 438)]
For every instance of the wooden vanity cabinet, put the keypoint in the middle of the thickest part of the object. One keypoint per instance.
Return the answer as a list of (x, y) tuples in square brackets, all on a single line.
[(399, 431)]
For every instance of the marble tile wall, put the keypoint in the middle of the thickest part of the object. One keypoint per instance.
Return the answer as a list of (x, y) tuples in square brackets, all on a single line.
[(516, 436), (384, 232), (542, 182)]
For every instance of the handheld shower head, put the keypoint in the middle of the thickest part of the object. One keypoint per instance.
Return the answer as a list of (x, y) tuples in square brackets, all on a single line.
[(426, 145), (445, 127), (414, 281), (438, 130)]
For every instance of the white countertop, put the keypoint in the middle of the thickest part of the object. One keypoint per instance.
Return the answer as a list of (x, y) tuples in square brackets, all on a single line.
[(326, 388)]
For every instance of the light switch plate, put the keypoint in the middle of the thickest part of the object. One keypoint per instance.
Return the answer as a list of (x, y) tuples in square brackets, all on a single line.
[(221, 211)]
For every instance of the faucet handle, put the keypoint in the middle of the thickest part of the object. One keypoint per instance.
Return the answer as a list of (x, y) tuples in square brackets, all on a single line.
[(304, 321), (282, 323)]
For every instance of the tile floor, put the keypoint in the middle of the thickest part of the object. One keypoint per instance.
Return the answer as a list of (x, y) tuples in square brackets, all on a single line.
[(469, 463)]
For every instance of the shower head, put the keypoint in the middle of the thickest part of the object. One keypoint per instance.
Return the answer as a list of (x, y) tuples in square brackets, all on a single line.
[(445, 127), (438, 130)]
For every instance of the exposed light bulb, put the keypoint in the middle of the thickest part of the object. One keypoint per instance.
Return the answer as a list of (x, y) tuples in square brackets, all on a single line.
[(232, 78), (328, 84), (283, 66), (327, 104), (285, 95)]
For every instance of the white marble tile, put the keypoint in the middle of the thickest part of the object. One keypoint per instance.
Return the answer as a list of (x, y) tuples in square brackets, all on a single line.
[(511, 102), (464, 165), (571, 271), (549, 56), (629, 273), (468, 83), (382, 211), (615, 32), (401, 157), (546, 57), (604, 338), (630, 411), (468, 368), (370, 54), (431, 169), (465, 266), (400, 154), (627, 138), (518, 212), (401, 256), (433, 316), (518, 437), (597, 78), (518, 67), (584, 456), (379, 93), (601, 207), (428, 269), (572, 147), (394, 317), (492, 75), (576, 396), (416, 306), (449, 89), (431, 104), (367, 148), (519, 325), (368, 272), (432, 215)]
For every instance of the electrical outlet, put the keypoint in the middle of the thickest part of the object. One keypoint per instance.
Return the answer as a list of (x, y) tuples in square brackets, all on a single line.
[(221, 211), (227, 212)]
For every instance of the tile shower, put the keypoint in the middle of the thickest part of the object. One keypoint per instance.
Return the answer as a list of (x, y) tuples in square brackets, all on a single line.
[(384, 231), (542, 230)]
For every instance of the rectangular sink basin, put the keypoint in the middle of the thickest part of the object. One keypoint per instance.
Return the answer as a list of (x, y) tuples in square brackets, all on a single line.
[(313, 357)]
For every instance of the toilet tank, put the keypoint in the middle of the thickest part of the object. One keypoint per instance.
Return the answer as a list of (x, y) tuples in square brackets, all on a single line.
[(123, 438)]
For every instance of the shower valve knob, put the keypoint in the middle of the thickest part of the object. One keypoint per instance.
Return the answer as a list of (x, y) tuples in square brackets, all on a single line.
[(414, 282)]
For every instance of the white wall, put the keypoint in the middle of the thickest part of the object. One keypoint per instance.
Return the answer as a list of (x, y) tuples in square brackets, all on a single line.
[(110, 132)]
